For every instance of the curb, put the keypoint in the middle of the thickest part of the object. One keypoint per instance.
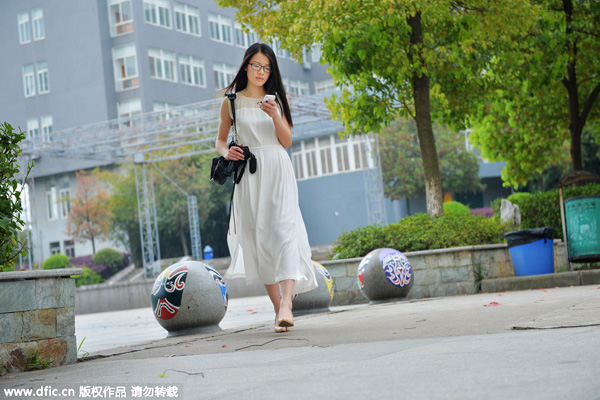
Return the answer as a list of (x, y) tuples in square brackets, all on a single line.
[(562, 279)]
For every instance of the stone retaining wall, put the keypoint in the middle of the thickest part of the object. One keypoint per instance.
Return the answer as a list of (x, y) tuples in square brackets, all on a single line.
[(436, 273), (37, 314)]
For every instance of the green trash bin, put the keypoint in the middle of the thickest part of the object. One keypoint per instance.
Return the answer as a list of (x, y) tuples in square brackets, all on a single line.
[(583, 227)]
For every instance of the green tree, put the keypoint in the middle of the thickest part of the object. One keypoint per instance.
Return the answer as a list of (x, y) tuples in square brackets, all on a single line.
[(541, 91), (407, 56), (89, 217), (10, 196), (403, 167)]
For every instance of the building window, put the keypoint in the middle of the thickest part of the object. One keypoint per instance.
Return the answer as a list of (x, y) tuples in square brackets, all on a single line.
[(242, 38), (298, 87), (120, 16), (28, 80), (316, 53), (192, 71), (187, 18), (276, 44), (162, 106), (33, 129), (54, 248), (37, 17), (24, 27), (52, 203), (65, 202), (46, 128), (326, 86), (162, 64), (220, 28), (158, 12), (42, 77), (127, 110), (224, 74), (330, 155), (69, 248), (125, 65)]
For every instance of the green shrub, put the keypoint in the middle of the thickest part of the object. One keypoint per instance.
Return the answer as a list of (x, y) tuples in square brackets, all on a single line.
[(89, 277), (420, 232), (543, 209), (455, 207), (111, 258), (56, 261)]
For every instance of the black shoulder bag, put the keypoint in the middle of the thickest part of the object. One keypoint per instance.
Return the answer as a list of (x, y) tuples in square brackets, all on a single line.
[(221, 168)]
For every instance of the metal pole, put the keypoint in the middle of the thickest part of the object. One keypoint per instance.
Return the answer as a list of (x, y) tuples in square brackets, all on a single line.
[(564, 229)]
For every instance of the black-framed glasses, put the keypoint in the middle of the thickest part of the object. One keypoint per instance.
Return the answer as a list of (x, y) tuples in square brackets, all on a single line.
[(256, 66)]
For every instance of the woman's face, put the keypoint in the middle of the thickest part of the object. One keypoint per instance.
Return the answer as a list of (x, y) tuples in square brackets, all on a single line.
[(258, 78)]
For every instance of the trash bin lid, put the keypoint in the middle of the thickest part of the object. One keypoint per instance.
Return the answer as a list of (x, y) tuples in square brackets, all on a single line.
[(525, 236), (577, 176)]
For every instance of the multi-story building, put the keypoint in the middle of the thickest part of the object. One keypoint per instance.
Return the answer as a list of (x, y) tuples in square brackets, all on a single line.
[(68, 63)]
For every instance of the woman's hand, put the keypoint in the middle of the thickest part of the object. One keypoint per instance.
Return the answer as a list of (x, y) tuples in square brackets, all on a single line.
[(270, 108), (235, 153)]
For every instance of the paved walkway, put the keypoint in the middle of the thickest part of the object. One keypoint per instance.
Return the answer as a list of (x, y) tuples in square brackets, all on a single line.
[(535, 344)]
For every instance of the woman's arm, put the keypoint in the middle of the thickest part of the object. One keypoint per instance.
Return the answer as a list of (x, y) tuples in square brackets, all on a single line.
[(282, 128), (234, 153)]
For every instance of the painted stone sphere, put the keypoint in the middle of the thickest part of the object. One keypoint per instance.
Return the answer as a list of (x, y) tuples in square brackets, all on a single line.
[(189, 297), (318, 299), (385, 274)]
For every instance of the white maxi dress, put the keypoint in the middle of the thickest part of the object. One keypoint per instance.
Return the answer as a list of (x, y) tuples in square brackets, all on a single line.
[(267, 238)]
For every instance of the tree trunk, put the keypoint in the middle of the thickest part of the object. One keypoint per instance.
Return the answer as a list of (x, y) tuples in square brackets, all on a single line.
[(421, 88), (93, 245)]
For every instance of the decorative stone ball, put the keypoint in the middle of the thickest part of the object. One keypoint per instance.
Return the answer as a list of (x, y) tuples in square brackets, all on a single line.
[(189, 297), (385, 274), (318, 299)]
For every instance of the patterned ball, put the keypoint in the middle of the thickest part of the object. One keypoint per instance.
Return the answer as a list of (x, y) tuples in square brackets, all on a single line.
[(316, 300), (385, 274), (189, 297)]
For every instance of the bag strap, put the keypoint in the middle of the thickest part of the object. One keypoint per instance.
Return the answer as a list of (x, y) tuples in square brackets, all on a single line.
[(231, 97)]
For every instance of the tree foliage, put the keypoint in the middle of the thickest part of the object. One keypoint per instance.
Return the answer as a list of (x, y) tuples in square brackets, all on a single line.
[(407, 56), (10, 196), (542, 90), (89, 217), (402, 164)]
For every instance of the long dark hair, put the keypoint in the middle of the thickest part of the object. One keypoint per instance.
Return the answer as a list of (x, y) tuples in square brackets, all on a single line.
[(273, 85)]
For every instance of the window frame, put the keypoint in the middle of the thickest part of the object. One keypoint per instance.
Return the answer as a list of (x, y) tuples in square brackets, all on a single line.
[(118, 28), (193, 63), (46, 128), (52, 203), (221, 26), (189, 14), (157, 8), (223, 72), (43, 78), (33, 128), (24, 24), (120, 80), (64, 196), (37, 24), (159, 63), (29, 86)]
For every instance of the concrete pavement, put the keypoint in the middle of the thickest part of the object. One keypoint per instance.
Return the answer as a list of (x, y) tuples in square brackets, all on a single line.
[(519, 345)]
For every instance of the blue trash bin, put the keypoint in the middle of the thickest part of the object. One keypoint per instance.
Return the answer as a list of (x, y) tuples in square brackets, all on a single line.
[(208, 253), (532, 251)]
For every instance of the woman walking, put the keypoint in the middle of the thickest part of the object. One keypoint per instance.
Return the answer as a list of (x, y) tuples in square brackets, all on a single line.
[(267, 238)]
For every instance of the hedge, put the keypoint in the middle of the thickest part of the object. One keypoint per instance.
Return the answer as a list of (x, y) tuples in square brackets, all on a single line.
[(420, 232)]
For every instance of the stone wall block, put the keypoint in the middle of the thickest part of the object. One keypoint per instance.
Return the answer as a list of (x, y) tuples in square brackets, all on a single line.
[(11, 327), (14, 356), (39, 324), (65, 321), (458, 274), (345, 283), (418, 292), (352, 269), (417, 263), (437, 290), (430, 276), (17, 296), (55, 293), (56, 349), (337, 271)]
